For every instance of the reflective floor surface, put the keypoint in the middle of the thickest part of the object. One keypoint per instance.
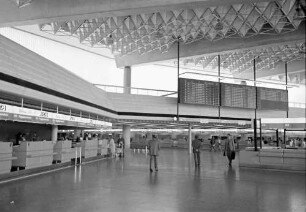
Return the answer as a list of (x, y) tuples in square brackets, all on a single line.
[(127, 185)]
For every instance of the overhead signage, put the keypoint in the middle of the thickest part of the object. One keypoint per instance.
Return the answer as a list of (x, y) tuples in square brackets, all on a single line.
[(43, 120), (6, 116), (208, 93), (193, 91), (241, 96), (23, 118), (14, 113), (2, 108), (272, 99)]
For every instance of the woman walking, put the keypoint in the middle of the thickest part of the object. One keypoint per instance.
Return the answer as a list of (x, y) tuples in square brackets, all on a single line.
[(229, 149)]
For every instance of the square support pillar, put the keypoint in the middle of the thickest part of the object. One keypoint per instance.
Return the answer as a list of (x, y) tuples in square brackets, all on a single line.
[(127, 136), (127, 79)]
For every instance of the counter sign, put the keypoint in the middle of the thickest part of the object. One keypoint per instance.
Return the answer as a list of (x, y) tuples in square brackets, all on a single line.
[(44, 114)]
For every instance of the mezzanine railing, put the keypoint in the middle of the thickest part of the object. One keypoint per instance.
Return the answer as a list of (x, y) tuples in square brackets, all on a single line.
[(162, 93), (137, 91)]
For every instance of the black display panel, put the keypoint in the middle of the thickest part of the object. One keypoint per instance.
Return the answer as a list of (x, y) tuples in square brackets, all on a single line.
[(202, 92), (193, 91), (272, 99), (242, 96)]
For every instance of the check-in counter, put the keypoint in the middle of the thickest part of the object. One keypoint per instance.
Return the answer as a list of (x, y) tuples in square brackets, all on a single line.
[(33, 154), (63, 151), (100, 146), (89, 148), (103, 147), (6, 157), (274, 158)]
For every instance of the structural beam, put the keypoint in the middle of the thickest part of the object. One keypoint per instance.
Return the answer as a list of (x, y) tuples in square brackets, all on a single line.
[(206, 47), (46, 11)]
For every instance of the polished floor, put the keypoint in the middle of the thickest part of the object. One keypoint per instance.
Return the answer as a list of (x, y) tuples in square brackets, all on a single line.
[(127, 185)]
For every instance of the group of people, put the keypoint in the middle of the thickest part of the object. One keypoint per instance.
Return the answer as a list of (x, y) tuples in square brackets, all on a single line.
[(229, 149), (297, 143), (20, 137), (115, 147)]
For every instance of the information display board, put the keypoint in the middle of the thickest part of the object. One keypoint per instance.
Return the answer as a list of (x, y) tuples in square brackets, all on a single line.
[(272, 99), (202, 92), (193, 91), (242, 96)]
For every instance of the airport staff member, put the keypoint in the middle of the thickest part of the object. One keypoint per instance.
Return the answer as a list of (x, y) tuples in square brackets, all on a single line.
[(196, 145)]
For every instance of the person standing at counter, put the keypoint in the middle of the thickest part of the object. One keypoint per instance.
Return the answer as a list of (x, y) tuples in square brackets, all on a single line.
[(112, 146), (229, 149)]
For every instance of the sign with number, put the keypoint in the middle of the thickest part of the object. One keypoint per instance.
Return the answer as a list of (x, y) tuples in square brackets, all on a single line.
[(2, 107)]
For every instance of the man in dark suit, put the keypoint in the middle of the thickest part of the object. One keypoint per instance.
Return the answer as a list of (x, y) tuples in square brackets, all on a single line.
[(196, 145), (153, 152)]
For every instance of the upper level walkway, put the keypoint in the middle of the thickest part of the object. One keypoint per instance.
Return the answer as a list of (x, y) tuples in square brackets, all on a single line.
[(127, 185)]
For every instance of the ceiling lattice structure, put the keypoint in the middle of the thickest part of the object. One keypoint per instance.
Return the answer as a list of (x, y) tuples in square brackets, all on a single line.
[(143, 33), (265, 58)]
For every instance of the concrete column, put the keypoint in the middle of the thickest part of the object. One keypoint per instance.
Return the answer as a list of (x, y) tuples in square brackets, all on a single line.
[(189, 139), (127, 79), (127, 135), (54, 132)]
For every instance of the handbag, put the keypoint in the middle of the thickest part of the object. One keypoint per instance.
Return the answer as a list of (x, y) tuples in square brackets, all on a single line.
[(233, 154)]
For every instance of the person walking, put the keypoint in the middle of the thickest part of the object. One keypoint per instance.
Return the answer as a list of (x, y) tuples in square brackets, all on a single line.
[(212, 144), (229, 149), (196, 145), (153, 152), (219, 144)]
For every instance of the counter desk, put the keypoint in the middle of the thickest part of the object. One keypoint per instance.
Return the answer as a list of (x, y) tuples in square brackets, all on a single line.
[(6, 157), (89, 148), (274, 158), (63, 151), (32, 154)]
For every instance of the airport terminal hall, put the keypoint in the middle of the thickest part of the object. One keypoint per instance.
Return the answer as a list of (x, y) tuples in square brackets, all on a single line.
[(152, 106)]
